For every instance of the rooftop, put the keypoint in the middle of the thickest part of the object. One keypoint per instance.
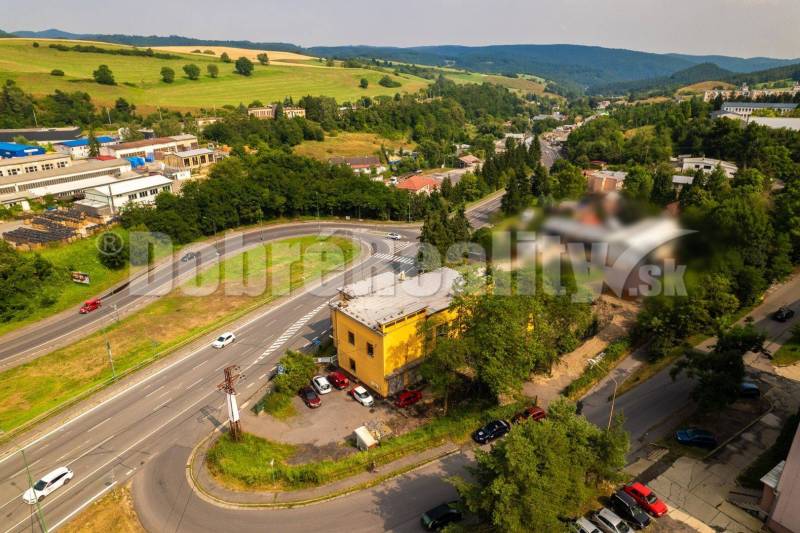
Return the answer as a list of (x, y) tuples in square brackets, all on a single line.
[(760, 105), (41, 134), (183, 137), (92, 165), (369, 160), (122, 187), (384, 298), (195, 152), (415, 183), (85, 141), (15, 147), (32, 159), (143, 143)]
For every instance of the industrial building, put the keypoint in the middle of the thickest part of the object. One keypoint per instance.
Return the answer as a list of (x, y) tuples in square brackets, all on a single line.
[(80, 148), (65, 182), (33, 163), (118, 194), (9, 150), (147, 148), (42, 135), (191, 159)]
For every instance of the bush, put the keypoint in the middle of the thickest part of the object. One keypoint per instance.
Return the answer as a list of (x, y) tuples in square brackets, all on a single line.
[(104, 76), (244, 66), (35, 44), (192, 71), (364, 83), (387, 81), (213, 70), (56, 72), (593, 374), (112, 251), (167, 75)]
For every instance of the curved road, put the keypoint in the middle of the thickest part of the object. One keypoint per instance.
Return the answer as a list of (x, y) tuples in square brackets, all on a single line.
[(175, 403)]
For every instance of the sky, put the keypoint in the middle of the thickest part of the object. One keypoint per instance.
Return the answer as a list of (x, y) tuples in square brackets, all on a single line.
[(744, 28)]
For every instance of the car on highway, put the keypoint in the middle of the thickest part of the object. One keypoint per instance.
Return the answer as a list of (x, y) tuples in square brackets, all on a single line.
[(491, 431), (609, 522), (362, 396), (407, 398), (582, 525), (441, 516), (529, 413), (696, 437), (223, 340), (91, 305), (393, 236), (188, 257), (646, 498), (338, 380), (49, 483), (783, 314), (310, 397), (321, 384), (627, 508)]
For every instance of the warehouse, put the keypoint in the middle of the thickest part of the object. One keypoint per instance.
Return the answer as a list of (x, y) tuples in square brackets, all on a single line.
[(8, 150), (42, 135), (33, 163), (78, 176), (79, 148), (123, 192)]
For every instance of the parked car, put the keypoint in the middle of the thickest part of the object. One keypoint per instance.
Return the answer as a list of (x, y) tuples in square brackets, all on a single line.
[(749, 389), (696, 437), (529, 413), (407, 398), (361, 395), (646, 498), (338, 380), (223, 340), (393, 236), (189, 257), (441, 516), (91, 305), (783, 314), (310, 398), (582, 525), (321, 384), (627, 508), (491, 431), (609, 522), (50, 482)]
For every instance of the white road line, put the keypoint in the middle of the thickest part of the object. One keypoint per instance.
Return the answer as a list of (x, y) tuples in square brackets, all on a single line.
[(167, 392), (82, 506), (162, 405), (153, 391), (21, 470), (201, 363), (262, 376), (99, 424), (250, 385), (195, 383), (87, 452)]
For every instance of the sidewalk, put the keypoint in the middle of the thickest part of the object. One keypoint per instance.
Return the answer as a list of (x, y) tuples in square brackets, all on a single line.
[(207, 487)]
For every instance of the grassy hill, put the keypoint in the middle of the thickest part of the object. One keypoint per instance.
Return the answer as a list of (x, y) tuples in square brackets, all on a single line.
[(139, 81)]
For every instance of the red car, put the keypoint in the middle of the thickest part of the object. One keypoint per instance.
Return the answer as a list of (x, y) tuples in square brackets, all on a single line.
[(646, 498), (338, 380), (407, 398), (530, 413), (90, 305), (310, 397)]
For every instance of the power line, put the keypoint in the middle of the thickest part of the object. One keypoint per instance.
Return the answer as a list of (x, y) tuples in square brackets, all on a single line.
[(232, 375)]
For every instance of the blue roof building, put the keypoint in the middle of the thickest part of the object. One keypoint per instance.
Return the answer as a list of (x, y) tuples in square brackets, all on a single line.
[(8, 150), (84, 141)]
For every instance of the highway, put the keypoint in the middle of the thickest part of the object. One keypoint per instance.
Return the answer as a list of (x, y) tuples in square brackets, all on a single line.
[(173, 404)]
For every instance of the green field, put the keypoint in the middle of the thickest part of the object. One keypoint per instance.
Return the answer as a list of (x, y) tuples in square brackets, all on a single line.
[(139, 80)]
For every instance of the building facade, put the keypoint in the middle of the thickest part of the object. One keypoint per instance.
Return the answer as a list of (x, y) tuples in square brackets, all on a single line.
[(67, 181), (10, 150), (80, 148), (192, 159), (141, 190), (33, 163)]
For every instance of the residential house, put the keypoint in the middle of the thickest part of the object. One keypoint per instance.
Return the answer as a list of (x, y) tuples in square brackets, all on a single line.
[(469, 162), (605, 181), (377, 325), (269, 112), (419, 184), (361, 165), (192, 159), (685, 163)]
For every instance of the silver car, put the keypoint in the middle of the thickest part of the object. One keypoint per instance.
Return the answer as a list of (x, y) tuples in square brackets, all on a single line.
[(609, 522)]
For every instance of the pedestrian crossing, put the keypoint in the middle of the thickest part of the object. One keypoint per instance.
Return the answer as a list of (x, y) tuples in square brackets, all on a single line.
[(399, 246), (294, 328), (396, 258)]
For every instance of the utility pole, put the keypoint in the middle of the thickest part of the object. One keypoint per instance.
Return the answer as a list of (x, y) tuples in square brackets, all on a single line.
[(232, 375), (110, 355), (35, 122), (316, 195), (39, 512), (108, 114)]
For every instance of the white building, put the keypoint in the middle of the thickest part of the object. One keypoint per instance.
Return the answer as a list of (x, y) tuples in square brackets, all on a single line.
[(17, 166), (135, 190), (686, 163), (148, 147), (65, 181), (748, 108), (79, 148)]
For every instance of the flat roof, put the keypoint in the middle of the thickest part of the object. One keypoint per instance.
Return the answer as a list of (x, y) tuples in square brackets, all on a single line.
[(85, 141), (760, 105), (92, 165), (429, 292), (15, 161), (60, 188), (143, 143), (135, 184), (184, 137), (192, 153)]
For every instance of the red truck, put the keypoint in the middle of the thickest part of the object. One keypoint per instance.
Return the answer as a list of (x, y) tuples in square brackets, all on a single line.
[(90, 305)]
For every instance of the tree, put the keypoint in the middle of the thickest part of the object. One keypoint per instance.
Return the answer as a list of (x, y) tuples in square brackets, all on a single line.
[(364, 83), (544, 471), (56, 72), (104, 76), (638, 184), (167, 75), (94, 146), (244, 66), (298, 369), (213, 70), (263, 58), (567, 179), (387, 81), (112, 251), (192, 71), (225, 58), (719, 372)]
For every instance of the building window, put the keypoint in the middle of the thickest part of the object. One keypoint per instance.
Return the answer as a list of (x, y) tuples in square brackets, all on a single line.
[(351, 338), (131, 197), (143, 194), (352, 366), (370, 349), (154, 191), (62, 164)]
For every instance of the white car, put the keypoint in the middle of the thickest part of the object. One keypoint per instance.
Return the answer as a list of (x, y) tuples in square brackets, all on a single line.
[(363, 397), (321, 384), (46, 485), (394, 236), (223, 340)]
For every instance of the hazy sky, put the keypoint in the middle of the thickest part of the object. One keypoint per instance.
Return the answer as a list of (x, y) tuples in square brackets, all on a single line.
[(733, 27)]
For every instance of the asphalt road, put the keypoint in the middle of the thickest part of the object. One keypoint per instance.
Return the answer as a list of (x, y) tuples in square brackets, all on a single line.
[(175, 403)]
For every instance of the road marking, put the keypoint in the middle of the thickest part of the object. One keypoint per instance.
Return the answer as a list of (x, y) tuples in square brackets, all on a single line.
[(166, 392), (262, 376), (162, 405), (81, 506), (99, 424), (201, 363), (195, 383), (23, 469), (153, 391), (250, 385), (87, 452)]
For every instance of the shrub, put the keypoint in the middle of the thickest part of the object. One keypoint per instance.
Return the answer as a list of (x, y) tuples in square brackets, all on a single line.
[(56, 72), (387, 81), (167, 75), (104, 76)]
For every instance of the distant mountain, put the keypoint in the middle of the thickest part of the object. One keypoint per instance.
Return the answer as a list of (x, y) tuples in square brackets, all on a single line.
[(737, 64), (155, 40), (689, 76), (4, 34)]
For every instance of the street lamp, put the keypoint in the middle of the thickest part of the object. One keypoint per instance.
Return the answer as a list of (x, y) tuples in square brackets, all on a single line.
[(594, 363)]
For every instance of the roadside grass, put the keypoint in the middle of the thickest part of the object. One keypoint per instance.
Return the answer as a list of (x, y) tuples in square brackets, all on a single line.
[(648, 370), (789, 353), (245, 465), (33, 389), (113, 512), (278, 405), (614, 353), (347, 144), (139, 79)]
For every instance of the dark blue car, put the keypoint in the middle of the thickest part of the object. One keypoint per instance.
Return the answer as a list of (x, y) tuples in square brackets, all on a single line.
[(696, 437), (491, 431)]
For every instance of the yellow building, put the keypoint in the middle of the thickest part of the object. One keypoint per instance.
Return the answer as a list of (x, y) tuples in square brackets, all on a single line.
[(377, 325)]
